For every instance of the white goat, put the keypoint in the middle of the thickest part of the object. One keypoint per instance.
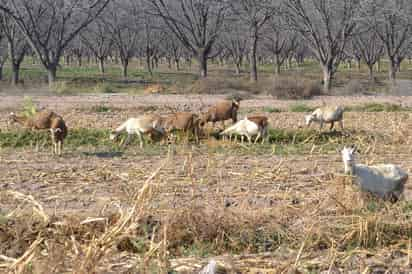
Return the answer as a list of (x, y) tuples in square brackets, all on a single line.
[(243, 128), (326, 115), (146, 124), (385, 181)]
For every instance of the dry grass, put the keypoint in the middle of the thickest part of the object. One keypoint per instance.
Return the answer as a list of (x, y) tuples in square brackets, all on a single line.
[(293, 88)]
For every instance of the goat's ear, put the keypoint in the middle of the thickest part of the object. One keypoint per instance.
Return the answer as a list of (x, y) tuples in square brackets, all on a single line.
[(353, 148)]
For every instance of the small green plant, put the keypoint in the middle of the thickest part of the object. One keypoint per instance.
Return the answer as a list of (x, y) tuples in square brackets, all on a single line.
[(103, 88), (271, 110), (29, 107), (101, 109), (62, 87), (379, 107), (301, 108)]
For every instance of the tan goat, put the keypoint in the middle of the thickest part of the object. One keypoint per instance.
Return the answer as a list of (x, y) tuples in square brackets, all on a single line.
[(222, 111), (185, 121), (44, 120), (145, 124), (263, 124)]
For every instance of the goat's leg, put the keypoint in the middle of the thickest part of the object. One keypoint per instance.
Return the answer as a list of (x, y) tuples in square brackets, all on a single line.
[(249, 138), (341, 124), (59, 152), (332, 124), (60, 147), (259, 135), (127, 141), (265, 135), (320, 125), (139, 135)]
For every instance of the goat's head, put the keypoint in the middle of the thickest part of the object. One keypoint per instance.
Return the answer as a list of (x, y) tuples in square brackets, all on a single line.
[(236, 102), (11, 119), (348, 154), (203, 119), (309, 119), (113, 135)]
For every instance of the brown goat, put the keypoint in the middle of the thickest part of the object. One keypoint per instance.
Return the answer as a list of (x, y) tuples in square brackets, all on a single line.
[(263, 124), (222, 111), (185, 121), (44, 120)]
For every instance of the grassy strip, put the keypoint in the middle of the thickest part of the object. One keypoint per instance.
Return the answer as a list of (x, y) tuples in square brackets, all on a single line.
[(100, 138)]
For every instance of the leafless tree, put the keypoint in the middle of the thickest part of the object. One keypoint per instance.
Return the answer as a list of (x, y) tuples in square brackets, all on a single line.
[(172, 49), (3, 54), (235, 43), (99, 40), (369, 47), (17, 45), (254, 14), (392, 22), (280, 42), (326, 26), (121, 20), (50, 25), (196, 23)]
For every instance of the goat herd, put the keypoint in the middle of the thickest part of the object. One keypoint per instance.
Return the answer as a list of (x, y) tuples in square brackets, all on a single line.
[(385, 181)]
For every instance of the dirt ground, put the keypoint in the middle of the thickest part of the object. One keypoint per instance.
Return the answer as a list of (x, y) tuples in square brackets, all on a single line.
[(297, 189)]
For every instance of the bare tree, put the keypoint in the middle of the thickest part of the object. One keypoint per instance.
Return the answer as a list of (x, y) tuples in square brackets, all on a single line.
[(122, 23), (17, 45), (392, 22), (369, 47), (235, 42), (173, 49), (280, 41), (255, 14), (196, 23), (50, 25), (3, 54), (326, 26), (99, 40)]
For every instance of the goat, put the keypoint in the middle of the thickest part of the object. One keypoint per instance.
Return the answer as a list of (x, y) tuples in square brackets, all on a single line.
[(222, 111), (184, 121), (326, 115), (44, 120), (385, 181), (145, 124), (243, 128), (263, 124)]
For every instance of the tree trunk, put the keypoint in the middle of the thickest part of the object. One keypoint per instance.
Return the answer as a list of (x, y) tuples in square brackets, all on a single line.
[(51, 74), (1, 72), (79, 60), (15, 71), (253, 61), (149, 64), (202, 59), (177, 64), (392, 71), (125, 64), (358, 62), (237, 68), (277, 64), (101, 65), (371, 75), (327, 78)]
